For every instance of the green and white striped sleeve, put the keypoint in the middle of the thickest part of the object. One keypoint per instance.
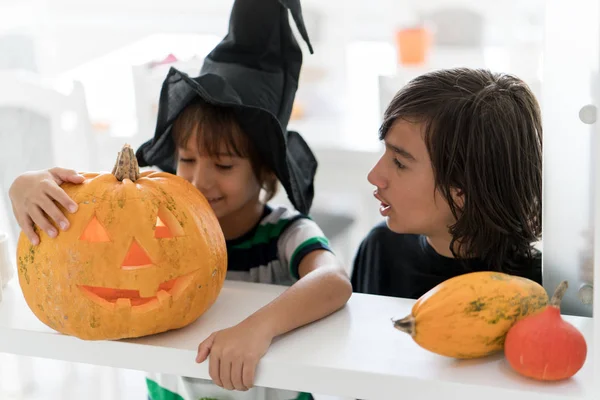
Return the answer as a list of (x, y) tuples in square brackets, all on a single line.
[(297, 240)]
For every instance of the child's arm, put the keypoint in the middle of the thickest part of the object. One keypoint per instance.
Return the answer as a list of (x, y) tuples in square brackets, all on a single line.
[(324, 287), (33, 196)]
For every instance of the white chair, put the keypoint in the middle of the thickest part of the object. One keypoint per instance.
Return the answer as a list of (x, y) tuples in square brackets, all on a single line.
[(40, 127), (66, 115)]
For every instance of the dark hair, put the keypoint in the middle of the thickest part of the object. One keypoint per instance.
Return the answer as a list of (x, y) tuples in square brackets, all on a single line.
[(216, 128), (483, 132)]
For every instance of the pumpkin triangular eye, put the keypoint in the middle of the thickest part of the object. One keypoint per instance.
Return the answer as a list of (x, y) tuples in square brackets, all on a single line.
[(167, 225), (136, 257), (162, 231), (94, 232)]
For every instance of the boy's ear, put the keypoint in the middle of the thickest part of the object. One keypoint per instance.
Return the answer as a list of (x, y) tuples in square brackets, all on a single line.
[(458, 196), (268, 176), (268, 179)]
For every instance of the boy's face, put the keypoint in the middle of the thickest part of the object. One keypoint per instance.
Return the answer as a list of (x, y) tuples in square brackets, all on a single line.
[(228, 182), (405, 184)]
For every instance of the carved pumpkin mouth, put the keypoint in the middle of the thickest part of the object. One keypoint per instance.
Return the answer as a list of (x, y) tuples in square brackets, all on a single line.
[(130, 298)]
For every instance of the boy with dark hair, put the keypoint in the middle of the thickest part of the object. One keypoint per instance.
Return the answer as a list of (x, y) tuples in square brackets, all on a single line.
[(460, 184)]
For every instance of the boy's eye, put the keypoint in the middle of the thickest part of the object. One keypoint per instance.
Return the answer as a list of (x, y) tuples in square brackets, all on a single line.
[(399, 165), (186, 160), (224, 166)]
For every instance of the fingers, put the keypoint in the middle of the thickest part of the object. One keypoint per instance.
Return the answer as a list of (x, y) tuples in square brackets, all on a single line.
[(233, 373), (203, 352), (50, 209), (236, 374), (58, 194), (214, 368), (231, 365), (204, 348), (225, 371), (26, 225), (39, 218), (43, 206), (66, 175), (33, 197), (248, 372)]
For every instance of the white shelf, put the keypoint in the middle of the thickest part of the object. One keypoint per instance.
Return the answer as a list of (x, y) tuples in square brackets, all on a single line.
[(354, 353)]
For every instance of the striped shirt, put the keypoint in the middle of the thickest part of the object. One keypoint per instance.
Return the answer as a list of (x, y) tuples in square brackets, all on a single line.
[(271, 252)]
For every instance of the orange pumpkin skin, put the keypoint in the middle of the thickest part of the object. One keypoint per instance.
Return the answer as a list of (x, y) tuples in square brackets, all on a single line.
[(545, 347), (468, 316), (139, 258)]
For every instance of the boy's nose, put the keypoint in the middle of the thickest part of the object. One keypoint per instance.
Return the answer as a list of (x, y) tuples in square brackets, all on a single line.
[(376, 178), (202, 180)]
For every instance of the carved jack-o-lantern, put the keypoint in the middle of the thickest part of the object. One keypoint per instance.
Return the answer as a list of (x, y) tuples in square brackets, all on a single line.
[(144, 254)]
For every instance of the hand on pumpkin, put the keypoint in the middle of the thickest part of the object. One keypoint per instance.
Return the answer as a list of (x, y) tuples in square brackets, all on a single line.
[(33, 196), (234, 354)]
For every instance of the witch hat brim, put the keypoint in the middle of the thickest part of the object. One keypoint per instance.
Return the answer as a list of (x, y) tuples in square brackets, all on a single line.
[(254, 71)]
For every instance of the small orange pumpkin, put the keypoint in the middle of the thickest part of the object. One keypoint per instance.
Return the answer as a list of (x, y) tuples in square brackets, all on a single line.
[(544, 346), (144, 254)]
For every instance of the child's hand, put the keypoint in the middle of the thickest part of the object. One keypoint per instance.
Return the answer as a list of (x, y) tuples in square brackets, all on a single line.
[(234, 354), (33, 195)]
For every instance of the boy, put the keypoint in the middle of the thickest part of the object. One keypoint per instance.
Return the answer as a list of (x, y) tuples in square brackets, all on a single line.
[(460, 184)]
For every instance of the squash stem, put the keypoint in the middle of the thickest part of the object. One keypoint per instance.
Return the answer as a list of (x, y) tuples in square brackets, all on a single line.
[(558, 294), (406, 325), (126, 166)]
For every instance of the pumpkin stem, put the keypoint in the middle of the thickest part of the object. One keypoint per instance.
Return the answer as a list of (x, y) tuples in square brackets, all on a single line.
[(406, 325), (558, 294), (127, 166)]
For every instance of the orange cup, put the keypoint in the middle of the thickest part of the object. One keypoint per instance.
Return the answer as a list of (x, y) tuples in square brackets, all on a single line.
[(412, 45)]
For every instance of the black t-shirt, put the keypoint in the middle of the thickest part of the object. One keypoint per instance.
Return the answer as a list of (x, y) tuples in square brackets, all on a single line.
[(404, 265)]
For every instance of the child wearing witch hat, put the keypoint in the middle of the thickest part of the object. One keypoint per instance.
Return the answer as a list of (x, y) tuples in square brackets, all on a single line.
[(225, 132)]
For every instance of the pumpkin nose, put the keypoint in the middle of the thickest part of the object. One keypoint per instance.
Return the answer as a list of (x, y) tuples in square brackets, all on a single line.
[(136, 257)]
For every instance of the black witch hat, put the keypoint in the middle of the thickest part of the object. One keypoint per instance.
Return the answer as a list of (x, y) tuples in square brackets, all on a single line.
[(254, 70)]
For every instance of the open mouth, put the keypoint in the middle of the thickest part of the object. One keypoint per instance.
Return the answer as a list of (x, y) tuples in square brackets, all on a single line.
[(383, 207), (111, 298)]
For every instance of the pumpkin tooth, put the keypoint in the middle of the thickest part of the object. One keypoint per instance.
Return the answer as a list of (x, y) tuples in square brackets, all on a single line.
[(163, 296), (123, 303), (148, 291)]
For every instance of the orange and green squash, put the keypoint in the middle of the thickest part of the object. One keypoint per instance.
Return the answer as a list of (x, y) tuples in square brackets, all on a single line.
[(469, 315)]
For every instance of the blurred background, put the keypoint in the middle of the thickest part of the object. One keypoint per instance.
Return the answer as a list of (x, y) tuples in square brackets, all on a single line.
[(80, 79)]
